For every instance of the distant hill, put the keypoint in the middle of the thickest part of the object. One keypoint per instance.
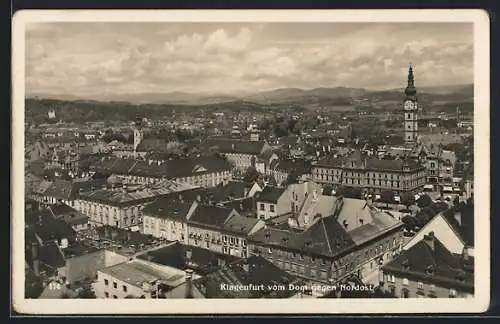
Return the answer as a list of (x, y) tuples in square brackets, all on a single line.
[(127, 106), (295, 94)]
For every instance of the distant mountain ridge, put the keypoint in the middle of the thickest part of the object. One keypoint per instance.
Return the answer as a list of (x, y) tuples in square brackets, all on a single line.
[(281, 95)]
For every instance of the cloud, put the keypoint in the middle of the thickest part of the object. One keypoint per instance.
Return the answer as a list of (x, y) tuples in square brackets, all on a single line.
[(87, 59)]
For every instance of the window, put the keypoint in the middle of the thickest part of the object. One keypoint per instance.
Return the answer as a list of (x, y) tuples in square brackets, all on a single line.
[(106, 282), (124, 288), (420, 285), (114, 296), (270, 250), (106, 294), (405, 293), (262, 207), (115, 285), (453, 293), (271, 208), (405, 282)]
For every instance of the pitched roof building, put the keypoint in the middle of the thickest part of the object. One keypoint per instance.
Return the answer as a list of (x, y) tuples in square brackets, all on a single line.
[(429, 269)]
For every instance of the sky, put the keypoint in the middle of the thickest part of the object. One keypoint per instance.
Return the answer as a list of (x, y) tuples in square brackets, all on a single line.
[(90, 59)]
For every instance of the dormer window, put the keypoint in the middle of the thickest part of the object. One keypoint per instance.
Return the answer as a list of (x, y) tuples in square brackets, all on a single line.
[(429, 270)]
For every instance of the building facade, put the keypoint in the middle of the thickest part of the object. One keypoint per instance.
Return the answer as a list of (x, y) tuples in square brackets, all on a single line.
[(370, 174), (429, 270)]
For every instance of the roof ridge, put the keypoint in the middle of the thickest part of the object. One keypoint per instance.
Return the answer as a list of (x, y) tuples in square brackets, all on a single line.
[(326, 235)]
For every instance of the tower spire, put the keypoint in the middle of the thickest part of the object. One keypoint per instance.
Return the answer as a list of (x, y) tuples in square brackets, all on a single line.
[(411, 79), (410, 91)]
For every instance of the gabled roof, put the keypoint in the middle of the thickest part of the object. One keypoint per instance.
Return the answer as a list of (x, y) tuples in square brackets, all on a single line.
[(240, 225), (447, 267), (212, 216), (50, 229), (270, 194), (168, 208), (232, 190), (326, 237)]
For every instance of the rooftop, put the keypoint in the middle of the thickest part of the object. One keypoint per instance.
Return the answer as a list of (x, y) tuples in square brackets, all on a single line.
[(270, 194), (325, 237), (259, 272), (174, 255), (226, 145), (133, 195), (137, 272), (430, 261)]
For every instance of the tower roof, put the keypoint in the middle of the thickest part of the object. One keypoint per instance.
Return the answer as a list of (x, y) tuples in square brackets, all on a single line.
[(410, 90)]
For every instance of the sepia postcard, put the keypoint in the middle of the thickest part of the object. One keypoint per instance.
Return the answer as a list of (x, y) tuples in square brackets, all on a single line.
[(293, 161)]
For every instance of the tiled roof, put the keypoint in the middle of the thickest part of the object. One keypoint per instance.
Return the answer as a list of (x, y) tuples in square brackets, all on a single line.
[(174, 255), (449, 270), (240, 225), (236, 146), (167, 208), (53, 229), (212, 216), (68, 190), (270, 194), (326, 237), (129, 196), (232, 190), (51, 255), (260, 272), (121, 234), (171, 169), (242, 206), (370, 163)]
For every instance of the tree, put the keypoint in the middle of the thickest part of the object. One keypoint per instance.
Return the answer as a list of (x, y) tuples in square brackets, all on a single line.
[(424, 201), (87, 292), (327, 190), (407, 199), (409, 222), (387, 196), (251, 175), (174, 148)]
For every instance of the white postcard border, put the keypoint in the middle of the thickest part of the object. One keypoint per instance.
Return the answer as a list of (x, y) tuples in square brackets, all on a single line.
[(481, 299)]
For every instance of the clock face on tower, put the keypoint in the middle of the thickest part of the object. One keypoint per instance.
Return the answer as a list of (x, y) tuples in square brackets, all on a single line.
[(409, 105)]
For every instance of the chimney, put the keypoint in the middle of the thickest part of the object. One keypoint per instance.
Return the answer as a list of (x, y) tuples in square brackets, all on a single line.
[(429, 239), (465, 253), (189, 284)]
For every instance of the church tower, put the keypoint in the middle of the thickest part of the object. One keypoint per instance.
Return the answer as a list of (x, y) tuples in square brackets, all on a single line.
[(138, 133), (410, 107)]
